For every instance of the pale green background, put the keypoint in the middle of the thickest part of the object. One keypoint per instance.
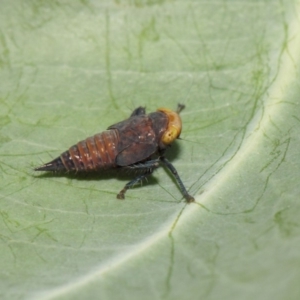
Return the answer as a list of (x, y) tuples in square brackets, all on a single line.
[(69, 69)]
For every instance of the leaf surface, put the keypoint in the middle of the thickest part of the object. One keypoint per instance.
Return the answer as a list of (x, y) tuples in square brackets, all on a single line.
[(70, 69)]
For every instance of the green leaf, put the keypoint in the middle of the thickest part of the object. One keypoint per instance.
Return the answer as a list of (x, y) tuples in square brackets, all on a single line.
[(69, 69)]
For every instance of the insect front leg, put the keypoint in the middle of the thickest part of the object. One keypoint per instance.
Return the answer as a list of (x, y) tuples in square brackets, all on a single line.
[(146, 167), (183, 190)]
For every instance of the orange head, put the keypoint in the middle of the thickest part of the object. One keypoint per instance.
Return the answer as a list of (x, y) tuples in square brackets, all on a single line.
[(174, 126)]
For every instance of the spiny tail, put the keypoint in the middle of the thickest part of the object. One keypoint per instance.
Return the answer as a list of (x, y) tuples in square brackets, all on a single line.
[(55, 165), (92, 154)]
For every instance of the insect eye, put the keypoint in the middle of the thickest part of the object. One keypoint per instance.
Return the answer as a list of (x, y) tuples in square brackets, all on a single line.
[(174, 126), (170, 135)]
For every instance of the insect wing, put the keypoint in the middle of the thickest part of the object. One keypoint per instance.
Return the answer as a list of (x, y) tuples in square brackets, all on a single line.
[(138, 111), (137, 140)]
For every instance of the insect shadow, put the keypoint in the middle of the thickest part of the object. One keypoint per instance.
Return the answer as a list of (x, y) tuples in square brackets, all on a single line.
[(120, 174)]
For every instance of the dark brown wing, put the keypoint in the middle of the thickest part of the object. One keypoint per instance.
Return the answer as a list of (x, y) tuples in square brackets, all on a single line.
[(137, 140)]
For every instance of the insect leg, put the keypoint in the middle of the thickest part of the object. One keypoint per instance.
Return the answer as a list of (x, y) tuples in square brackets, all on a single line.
[(130, 184), (147, 167), (183, 190)]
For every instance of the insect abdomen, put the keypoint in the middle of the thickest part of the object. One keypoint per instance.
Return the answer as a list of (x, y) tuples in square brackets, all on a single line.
[(94, 153)]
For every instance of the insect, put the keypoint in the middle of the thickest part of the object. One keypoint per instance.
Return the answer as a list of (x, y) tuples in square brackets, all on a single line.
[(136, 144)]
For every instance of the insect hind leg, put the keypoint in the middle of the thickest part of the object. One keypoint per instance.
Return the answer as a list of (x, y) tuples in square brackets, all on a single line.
[(146, 167), (130, 184)]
